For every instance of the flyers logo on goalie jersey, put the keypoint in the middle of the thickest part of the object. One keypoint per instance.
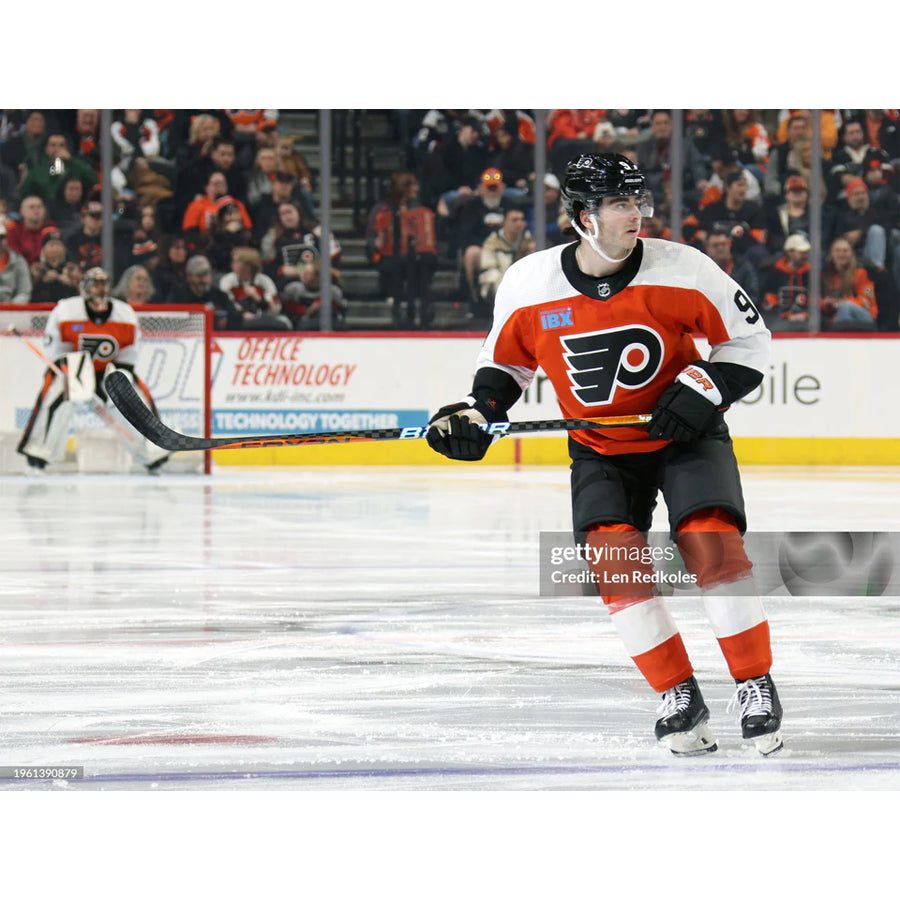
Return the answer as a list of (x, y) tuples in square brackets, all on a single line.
[(599, 362)]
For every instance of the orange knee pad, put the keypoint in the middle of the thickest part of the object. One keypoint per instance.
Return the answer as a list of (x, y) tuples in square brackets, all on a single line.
[(712, 548)]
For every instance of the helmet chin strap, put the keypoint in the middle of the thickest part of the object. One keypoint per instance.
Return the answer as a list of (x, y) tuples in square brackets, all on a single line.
[(592, 237)]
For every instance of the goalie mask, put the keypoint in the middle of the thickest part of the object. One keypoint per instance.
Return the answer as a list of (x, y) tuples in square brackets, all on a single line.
[(95, 284)]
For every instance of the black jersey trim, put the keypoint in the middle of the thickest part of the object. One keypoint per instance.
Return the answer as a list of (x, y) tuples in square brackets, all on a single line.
[(607, 286)]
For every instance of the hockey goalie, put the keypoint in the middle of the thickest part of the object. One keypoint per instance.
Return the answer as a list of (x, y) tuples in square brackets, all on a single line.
[(87, 337)]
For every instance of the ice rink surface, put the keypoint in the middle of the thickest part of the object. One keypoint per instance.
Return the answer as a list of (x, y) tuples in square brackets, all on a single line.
[(380, 628)]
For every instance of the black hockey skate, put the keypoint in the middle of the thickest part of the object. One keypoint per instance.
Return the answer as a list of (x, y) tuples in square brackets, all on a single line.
[(682, 726), (760, 711)]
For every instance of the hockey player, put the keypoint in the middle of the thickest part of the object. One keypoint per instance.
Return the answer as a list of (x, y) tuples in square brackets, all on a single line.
[(610, 320), (87, 337)]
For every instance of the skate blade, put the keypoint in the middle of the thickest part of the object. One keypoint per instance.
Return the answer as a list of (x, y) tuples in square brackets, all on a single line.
[(691, 743), (769, 744)]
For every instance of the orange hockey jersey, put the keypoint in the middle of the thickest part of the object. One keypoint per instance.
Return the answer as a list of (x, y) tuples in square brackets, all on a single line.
[(610, 346)]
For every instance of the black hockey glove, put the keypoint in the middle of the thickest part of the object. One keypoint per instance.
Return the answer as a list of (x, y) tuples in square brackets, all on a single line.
[(687, 409), (454, 430)]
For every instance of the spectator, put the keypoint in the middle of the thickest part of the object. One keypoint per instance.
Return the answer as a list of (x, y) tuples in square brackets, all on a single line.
[(85, 246), (785, 301), (25, 236), (509, 243), (723, 162), (251, 130), (291, 258), (798, 129), (302, 298), (292, 242), (265, 212), (58, 162), (169, 276), (718, 248), (193, 178), (86, 137), (52, 276), (65, 210), (262, 175), (743, 221), (552, 210), (629, 124), (800, 162), (400, 242), (848, 161), (748, 137), (253, 292), (476, 218), (15, 279), (460, 162), (570, 132), (228, 233), (704, 129), (203, 130), (652, 156), (144, 251), (884, 201), (227, 315), (514, 158), (292, 162), (830, 122), (858, 223), (25, 149), (200, 215), (848, 295), (135, 286), (882, 128), (792, 216)]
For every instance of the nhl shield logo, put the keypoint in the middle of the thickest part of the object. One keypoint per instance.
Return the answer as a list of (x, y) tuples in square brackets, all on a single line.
[(603, 290)]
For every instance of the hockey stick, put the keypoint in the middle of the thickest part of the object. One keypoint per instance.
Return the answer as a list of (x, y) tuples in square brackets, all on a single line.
[(96, 406), (130, 405)]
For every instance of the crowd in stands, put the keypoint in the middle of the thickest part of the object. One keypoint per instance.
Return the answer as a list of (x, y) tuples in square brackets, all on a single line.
[(217, 206), (746, 179), (211, 206)]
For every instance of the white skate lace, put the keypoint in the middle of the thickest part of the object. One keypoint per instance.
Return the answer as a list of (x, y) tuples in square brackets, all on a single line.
[(753, 697), (674, 700)]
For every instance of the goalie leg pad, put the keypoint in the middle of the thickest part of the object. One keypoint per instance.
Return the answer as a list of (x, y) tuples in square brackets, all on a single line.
[(47, 430)]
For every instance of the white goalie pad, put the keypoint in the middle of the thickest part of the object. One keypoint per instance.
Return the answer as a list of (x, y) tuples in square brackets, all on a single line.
[(50, 430), (81, 382)]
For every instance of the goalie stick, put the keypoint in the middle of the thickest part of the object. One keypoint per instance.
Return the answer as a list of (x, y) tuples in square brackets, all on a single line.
[(130, 405)]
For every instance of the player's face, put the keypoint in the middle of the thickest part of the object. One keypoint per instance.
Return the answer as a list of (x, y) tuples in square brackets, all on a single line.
[(620, 223)]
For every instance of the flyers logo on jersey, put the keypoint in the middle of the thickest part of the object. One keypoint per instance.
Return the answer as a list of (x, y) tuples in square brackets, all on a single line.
[(99, 346), (599, 362)]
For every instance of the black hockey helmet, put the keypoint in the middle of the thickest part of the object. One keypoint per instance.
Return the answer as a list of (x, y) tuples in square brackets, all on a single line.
[(592, 176)]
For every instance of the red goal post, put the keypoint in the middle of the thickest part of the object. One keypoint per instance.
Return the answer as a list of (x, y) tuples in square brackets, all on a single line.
[(175, 362)]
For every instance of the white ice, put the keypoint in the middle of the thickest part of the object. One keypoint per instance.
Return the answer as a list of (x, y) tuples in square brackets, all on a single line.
[(380, 628)]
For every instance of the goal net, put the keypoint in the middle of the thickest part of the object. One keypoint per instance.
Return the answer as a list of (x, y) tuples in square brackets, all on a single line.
[(174, 363)]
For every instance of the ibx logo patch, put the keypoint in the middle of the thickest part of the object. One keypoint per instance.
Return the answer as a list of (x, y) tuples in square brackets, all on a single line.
[(556, 318), (597, 363)]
